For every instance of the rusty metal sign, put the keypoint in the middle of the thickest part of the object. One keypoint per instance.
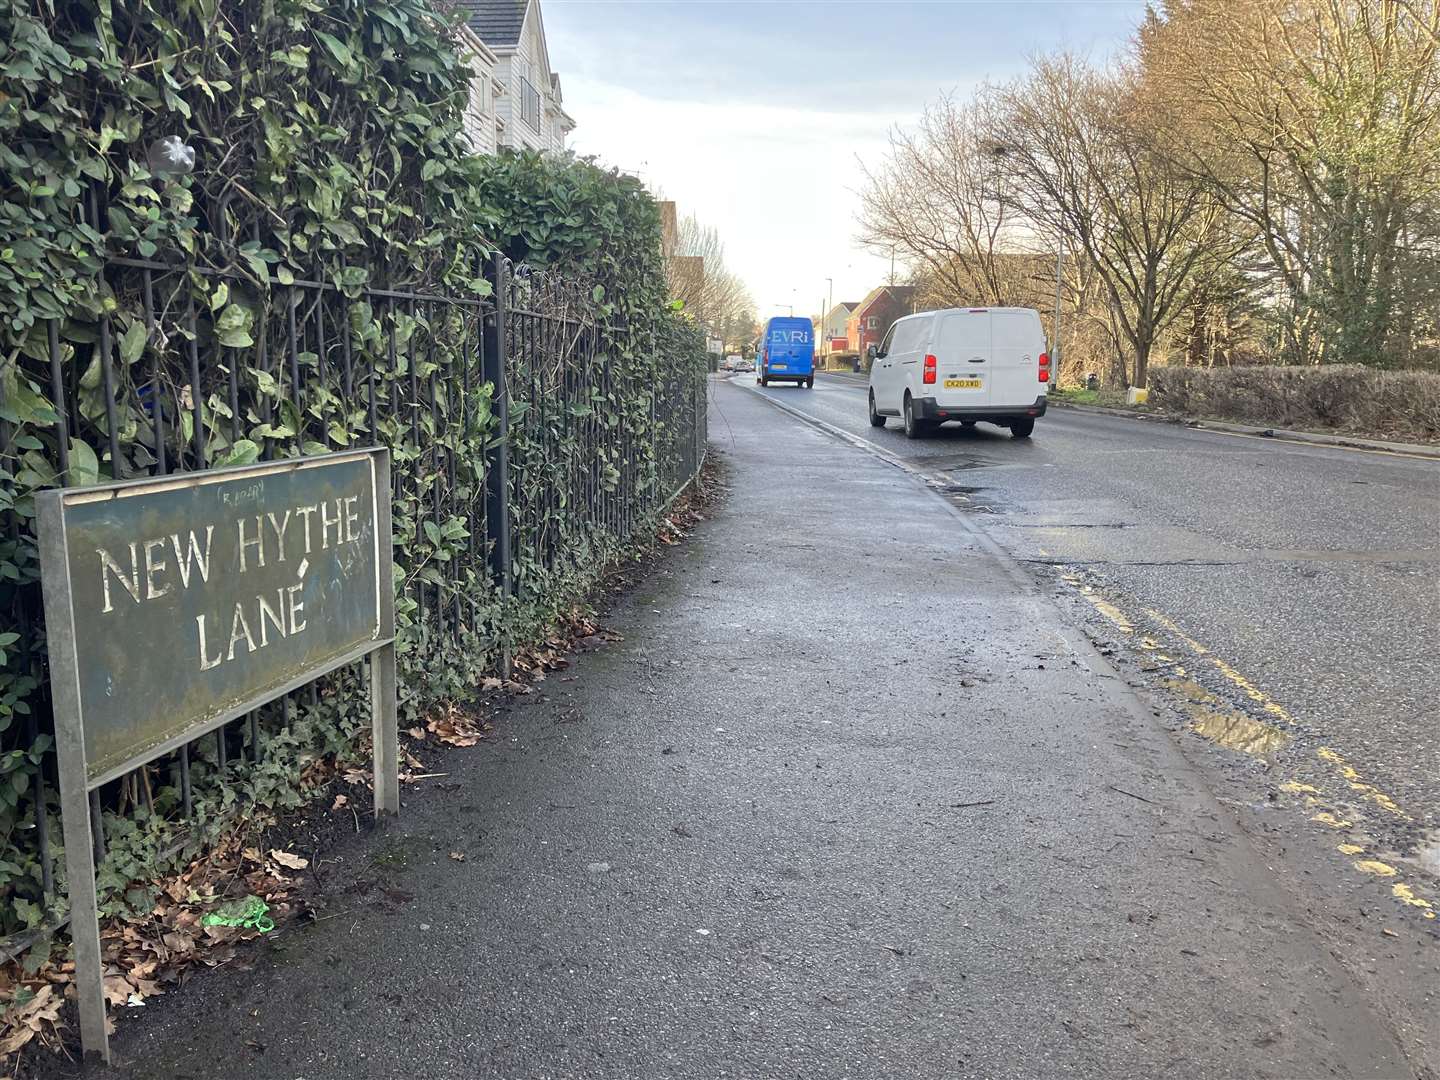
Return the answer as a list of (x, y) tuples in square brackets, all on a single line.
[(178, 603)]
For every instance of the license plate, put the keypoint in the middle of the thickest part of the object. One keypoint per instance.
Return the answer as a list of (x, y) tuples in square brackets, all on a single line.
[(962, 384), (777, 367)]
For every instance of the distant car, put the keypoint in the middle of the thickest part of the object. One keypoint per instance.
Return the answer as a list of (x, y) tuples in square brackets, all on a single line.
[(787, 352), (742, 364), (965, 364), (732, 362)]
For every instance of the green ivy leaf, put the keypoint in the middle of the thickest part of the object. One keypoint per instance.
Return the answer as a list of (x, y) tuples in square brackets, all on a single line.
[(132, 345), (21, 403), (242, 453), (84, 466), (232, 328), (337, 48)]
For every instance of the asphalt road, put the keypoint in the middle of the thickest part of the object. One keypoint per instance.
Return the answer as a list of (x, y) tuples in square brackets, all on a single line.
[(1296, 584), (853, 797)]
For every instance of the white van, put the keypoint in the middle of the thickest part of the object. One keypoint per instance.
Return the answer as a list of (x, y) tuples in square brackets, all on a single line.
[(965, 364)]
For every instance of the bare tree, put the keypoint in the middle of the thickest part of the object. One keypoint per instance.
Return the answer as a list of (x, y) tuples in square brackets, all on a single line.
[(935, 202), (1081, 155), (699, 278)]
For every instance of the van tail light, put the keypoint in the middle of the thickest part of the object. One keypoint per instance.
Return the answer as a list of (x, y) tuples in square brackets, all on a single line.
[(1044, 367), (929, 369)]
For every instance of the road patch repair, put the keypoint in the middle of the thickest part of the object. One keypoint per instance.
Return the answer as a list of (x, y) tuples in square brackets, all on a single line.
[(897, 819)]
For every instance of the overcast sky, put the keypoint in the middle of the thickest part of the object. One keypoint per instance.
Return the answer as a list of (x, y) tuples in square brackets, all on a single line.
[(750, 113)]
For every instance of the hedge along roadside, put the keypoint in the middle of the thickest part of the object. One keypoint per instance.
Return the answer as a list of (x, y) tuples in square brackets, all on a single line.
[(1399, 405), (329, 152)]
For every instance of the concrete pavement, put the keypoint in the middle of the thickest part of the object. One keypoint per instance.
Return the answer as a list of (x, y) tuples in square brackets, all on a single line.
[(852, 798)]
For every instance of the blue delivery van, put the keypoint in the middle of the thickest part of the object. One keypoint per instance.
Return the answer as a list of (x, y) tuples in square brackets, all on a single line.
[(787, 352)]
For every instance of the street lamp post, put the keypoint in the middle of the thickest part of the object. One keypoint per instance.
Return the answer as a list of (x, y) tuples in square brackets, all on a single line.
[(829, 307), (1059, 270)]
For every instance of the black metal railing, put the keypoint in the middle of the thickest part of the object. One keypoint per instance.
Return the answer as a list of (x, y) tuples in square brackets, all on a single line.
[(523, 454)]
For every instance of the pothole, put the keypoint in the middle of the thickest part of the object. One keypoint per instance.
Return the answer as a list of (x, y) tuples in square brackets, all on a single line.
[(1212, 720), (957, 462)]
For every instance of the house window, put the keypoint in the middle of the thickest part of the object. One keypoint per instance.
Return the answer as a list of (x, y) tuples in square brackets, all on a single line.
[(873, 323), (529, 103)]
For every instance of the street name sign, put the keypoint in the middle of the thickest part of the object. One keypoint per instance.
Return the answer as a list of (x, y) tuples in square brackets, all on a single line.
[(175, 604)]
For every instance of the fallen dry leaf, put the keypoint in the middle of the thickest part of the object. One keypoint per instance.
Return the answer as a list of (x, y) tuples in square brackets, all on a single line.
[(340, 803), (454, 728), (458, 856), (289, 861), (37, 1017)]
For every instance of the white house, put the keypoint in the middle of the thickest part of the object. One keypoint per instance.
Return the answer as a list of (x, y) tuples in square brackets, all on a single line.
[(483, 126), (528, 112)]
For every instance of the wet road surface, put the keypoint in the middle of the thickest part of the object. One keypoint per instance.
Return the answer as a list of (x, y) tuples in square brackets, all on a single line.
[(1309, 573)]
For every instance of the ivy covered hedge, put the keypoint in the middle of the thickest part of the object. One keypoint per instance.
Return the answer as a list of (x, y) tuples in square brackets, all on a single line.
[(330, 172)]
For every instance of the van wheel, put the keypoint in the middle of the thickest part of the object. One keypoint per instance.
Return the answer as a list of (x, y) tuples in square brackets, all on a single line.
[(876, 420), (1021, 429), (810, 383), (914, 428), (764, 381)]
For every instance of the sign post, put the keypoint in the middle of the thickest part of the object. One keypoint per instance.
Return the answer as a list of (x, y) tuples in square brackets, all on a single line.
[(178, 603)]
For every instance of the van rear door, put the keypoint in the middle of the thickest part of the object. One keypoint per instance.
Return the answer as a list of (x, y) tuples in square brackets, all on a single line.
[(792, 347), (962, 355), (1017, 340)]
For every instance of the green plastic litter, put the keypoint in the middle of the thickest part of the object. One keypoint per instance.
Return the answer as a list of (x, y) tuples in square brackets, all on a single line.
[(252, 913)]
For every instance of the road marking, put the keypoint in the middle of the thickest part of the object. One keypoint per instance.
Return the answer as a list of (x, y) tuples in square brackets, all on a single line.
[(1100, 604), (1347, 772), (1351, 777), (1406, 895), (1403, 892), (1253, 692), (1376, 867)]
